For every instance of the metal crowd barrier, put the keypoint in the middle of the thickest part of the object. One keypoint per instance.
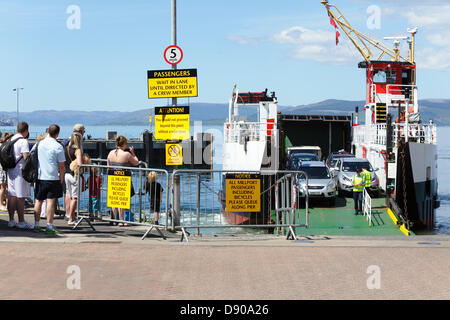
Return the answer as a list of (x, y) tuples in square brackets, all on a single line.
[(198, 200), (141, 205)]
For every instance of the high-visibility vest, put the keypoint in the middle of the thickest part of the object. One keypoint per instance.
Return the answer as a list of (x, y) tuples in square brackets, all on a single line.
[(367, 177), (357, 180)]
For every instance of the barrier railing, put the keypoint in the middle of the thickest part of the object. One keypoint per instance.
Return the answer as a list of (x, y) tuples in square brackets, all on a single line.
[(376, 134), (367, 206), (199, 200), (145, 198), (252, 131)]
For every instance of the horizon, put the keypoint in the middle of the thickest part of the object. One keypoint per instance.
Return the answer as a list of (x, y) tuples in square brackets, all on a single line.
[(436, 100)]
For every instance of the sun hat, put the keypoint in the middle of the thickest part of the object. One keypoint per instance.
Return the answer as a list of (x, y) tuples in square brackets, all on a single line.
[(78, 127)]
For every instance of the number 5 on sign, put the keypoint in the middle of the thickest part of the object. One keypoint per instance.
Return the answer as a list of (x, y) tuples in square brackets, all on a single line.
[(173, 55)]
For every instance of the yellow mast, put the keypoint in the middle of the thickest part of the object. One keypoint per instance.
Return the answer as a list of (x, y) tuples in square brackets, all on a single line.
[(363, 42)]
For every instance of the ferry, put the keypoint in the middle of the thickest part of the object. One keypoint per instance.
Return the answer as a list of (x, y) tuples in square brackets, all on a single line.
[(399, 144)]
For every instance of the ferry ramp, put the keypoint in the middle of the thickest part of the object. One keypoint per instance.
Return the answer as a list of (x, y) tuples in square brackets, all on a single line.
[(341, 220)]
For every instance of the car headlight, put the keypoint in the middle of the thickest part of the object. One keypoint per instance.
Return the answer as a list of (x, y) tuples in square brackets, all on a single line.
[(347, 181), (301, 186), (331, 186)]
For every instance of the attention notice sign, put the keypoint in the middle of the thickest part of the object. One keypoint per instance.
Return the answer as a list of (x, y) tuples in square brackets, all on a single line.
[(119, 189), (172, 123), (243, 193), (172, 83)]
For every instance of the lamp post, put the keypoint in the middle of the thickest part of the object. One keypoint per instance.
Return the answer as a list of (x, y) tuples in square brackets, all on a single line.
[(17, 92)]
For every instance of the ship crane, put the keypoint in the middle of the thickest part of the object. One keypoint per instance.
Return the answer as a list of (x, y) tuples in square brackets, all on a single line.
[(364, 43), (390, 77)]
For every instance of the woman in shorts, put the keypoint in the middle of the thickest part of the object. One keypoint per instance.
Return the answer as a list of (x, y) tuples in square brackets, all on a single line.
[(73, 151)]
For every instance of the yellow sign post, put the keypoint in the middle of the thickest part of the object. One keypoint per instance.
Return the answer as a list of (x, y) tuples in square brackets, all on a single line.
[(172, 123), (243, 193), (119, 189), (172, 83), (174, 154)]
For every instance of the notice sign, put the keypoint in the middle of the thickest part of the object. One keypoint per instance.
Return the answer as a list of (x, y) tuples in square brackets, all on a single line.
[(172, 83), (174, 154), (119, 189), (243, 193), (172, 123)]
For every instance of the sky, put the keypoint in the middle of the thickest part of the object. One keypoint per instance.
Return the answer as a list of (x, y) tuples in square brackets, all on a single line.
[(287, 46)]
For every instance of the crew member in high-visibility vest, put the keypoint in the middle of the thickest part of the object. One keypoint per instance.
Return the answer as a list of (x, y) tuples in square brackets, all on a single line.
[(367, 177), (358, 187)]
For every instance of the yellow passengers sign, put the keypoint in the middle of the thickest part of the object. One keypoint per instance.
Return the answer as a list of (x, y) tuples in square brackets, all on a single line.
[(172, 123), (172, 83), (174, 154), (119, 189), (243, 193)]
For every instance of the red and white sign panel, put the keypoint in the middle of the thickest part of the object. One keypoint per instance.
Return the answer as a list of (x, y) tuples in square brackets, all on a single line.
[(173, 55)]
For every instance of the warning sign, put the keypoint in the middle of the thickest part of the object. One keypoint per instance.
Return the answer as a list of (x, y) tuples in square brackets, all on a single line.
[(174, 155), (243, 193), (172, 123), (119, 189), (172, 83)]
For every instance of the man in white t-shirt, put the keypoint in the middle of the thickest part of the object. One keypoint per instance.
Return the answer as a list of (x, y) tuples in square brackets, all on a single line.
[(18, 188), (50, 177)]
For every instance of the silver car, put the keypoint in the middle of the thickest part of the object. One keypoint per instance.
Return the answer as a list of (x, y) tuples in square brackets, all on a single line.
[(320, 182), (346, 168)]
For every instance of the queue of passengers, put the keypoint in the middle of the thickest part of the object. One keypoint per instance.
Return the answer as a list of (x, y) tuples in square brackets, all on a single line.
[(57, 170)]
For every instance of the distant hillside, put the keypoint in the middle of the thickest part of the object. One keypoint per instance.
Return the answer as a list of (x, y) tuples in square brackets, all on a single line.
[(330, 106), (438, 110), (198, 111), (215, 113)]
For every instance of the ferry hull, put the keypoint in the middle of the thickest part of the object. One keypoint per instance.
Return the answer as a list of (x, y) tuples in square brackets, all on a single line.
[(417, 179)]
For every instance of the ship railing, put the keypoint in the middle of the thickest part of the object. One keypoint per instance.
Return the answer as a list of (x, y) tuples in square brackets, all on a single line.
[(367, 206), (414, 132), (395, 94), (124, 188), (246, 131), (371, 134), (401, 93), (226, 202)]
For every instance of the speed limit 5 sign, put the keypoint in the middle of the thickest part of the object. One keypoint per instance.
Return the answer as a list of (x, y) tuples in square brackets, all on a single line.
[(173, 55)]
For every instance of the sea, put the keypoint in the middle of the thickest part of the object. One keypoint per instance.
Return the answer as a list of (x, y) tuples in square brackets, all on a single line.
[(442, 223)]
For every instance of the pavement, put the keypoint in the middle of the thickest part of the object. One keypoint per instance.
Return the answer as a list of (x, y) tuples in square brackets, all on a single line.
[(114, 263)]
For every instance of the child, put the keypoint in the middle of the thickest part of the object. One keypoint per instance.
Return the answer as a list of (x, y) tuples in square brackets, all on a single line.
[(154, 191), (74, 166), (94, 184)]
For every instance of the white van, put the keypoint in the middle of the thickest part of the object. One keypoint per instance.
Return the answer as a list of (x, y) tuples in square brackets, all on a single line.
[(304, 149)]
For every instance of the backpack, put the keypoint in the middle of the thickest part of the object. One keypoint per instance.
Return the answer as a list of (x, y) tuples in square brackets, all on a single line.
[(30, 169), (7, 158)]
